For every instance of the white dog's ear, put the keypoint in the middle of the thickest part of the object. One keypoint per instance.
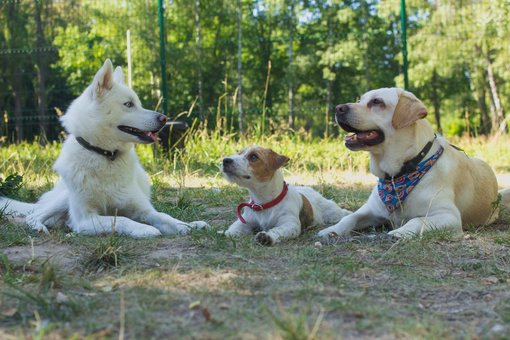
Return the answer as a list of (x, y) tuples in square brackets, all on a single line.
[(118, 75), (409, 109), (103, 80)]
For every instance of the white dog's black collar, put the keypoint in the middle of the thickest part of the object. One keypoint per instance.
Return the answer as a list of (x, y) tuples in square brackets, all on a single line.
[(111, 155)]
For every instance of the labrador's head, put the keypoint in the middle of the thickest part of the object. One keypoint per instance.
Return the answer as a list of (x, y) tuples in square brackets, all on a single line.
[(378, 115)]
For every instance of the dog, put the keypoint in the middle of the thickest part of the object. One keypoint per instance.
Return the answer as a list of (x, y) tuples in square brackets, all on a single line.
[(278, 211), (424, 182), (102, 184)]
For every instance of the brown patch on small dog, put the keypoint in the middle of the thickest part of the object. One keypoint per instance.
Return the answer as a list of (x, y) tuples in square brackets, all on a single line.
[(409, 109), (266, 163), (306, 213)]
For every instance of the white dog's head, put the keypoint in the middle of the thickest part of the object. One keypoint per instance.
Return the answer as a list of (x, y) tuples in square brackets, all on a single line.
[(253, 165), (110, 113), (378, 115)]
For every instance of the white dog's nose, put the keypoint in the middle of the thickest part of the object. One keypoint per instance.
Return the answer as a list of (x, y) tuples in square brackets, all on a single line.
[(163, 118)]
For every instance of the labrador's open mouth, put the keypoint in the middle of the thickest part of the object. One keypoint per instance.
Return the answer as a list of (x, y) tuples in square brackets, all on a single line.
[(144, 136), (360, 139)]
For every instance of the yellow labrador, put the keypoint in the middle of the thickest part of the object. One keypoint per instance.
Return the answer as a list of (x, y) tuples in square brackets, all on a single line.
[(424, 182)]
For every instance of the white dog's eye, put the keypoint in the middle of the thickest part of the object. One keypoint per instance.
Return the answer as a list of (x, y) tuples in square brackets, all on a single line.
[(252, 157), (129, 104), (376, 101)]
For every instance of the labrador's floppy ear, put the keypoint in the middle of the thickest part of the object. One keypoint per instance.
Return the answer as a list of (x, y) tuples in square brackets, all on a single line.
[(409, 109)]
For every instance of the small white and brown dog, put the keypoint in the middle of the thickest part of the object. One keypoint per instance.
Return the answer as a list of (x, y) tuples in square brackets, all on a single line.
[(276, 211)]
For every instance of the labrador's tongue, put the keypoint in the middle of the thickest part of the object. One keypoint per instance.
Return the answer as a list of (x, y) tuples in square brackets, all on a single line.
[(364, 135)]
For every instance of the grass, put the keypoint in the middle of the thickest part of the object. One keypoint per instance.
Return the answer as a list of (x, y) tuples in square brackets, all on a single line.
[(206, 285)]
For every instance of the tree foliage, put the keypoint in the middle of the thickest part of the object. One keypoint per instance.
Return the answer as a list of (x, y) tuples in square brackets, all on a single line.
[(325, 51)]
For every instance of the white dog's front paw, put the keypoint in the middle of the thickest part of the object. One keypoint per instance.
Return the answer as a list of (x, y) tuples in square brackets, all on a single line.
[(264, 239), (144, 232), (199, 225), (36, 225)]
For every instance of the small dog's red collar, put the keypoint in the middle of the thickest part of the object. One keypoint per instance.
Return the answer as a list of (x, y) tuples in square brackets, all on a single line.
[(259, 207)]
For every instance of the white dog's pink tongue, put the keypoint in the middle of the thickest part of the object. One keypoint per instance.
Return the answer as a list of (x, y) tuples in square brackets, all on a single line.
[(152, 135)]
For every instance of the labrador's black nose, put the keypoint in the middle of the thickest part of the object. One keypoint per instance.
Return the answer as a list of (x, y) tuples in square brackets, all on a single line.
[(342, 109), (227, 161)]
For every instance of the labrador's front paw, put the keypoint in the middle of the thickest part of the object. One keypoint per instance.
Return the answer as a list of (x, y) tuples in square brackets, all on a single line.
[(402, 233), (330, 232)]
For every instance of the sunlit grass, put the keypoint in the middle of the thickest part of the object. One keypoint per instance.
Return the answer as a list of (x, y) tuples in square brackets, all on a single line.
[(204, 151)]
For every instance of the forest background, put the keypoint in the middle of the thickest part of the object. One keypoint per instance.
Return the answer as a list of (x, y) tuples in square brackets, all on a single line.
[(256, 66)]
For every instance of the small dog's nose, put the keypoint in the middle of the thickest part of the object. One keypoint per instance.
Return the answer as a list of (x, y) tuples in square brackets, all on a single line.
[(227, 161), (342, 109), (163, 118)]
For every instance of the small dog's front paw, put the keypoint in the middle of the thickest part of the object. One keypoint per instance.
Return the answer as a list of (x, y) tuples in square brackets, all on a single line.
[(264, 239), (199, 225)]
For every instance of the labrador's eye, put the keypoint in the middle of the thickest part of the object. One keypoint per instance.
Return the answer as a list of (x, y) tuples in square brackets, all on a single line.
[(376, 101), (253, 157), (129, 104)]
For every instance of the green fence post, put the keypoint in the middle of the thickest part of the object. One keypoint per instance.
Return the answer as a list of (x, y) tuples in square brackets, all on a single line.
[(404, 41), (162, 56)]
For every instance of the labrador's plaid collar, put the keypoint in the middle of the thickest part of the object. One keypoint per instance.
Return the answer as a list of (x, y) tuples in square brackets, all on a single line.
[(394, 191)]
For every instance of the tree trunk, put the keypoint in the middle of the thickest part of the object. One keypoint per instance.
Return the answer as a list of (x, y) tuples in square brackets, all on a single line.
[(368, 80), (13, 31), (500, 114), (240, 66), (289, 72), (42, 70), (17, 89), (485, 120), (198, 40), (436, 102), (329, 83)]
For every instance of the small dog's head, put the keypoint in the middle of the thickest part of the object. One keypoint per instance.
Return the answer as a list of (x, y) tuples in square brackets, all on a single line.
[(252, 165), (110, 111), (378, 115)]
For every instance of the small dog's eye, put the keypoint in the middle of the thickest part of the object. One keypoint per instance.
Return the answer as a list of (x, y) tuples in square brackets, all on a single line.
[(129, 104), (376, 101), (252, 157)]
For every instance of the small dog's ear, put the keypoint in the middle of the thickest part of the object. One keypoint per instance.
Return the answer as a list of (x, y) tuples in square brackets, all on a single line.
[(118, 75), (409, 109), (103, 80), (277, 161)]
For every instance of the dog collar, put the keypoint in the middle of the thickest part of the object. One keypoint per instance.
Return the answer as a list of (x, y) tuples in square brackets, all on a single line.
[(111, 155), (394, 191), (259, 207), (412, 164)]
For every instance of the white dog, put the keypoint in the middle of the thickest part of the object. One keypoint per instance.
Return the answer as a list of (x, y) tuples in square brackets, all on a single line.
[(424, 182), (277, 210), (102, 184)]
